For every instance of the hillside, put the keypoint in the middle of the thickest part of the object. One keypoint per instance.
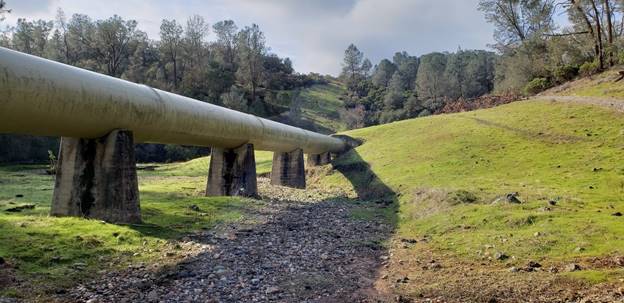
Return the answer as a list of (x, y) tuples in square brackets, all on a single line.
[(602, 85), (451, 174), (320, 109), (417, 212)]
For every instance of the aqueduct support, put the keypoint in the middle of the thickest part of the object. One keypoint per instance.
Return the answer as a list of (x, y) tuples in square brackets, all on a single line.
[(96, 178), (288, 169), (232, 172)]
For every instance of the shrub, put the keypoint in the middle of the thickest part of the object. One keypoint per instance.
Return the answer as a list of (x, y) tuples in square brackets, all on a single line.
[(589, 68), (537, 85), (565, 73)]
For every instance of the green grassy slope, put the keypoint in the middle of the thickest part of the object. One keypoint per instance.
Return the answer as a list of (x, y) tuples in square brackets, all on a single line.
[(54, 252), (602, 85), (567, 153), (321, 105)]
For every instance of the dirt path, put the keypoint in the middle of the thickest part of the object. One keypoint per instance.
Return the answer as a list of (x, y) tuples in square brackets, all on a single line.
[(611, 103), (293, 250)]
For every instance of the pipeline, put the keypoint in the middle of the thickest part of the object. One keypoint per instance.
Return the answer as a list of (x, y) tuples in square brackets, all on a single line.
[(47, 98)]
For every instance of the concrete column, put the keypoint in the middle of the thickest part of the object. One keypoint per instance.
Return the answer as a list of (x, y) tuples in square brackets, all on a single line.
[(288, 169), (319, 159), (97, 178), (232, 172)]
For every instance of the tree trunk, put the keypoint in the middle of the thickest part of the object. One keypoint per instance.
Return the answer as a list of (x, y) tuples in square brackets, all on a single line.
[(175, 73), (609, 30), (590, 27), (598, 34)]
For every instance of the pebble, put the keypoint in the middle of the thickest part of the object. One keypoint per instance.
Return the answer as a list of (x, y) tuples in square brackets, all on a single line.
[(572, 267)]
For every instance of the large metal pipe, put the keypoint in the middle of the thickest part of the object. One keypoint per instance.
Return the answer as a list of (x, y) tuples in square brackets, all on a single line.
[(43, 97)]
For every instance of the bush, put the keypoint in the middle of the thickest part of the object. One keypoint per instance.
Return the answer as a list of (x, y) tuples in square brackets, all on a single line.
[(565, 73), (537, 85), (589, 68)]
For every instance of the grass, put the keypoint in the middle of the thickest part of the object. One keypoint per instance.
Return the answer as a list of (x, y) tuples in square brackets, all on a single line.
[(54, 253), (321, 105), (602, 85), (567, 153)]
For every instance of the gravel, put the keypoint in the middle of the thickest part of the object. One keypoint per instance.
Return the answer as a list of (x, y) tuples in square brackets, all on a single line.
[(302, 246)]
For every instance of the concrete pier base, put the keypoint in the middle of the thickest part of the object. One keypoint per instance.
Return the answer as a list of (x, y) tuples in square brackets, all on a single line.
[(232, 172), (288, 169), (97, 178), (319, 159)]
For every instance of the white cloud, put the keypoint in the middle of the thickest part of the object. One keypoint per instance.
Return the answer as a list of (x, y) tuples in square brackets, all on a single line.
[(313, 33)]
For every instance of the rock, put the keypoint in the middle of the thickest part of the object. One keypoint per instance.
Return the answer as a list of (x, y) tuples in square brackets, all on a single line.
[(384, 277), (513, 269), (19, 208), (194, 208), (513, 198), (272, 290), (403, 280), (579, 249), (509, 198), (537, 234), (152, 296), (435, 266), (409, 241), (501, 256), (572, 267)]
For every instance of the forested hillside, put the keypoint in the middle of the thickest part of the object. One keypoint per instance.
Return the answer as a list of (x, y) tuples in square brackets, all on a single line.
[(539, 44), (221, 64)]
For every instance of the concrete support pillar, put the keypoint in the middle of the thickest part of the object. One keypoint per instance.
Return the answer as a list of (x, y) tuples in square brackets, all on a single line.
[(319, 159), (232, 172), (288, 169), (97, 178)]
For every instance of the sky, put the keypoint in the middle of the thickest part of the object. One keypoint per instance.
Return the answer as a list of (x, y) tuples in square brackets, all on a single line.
[(313, 33)]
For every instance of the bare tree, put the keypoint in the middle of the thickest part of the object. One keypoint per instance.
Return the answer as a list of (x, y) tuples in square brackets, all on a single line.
[(517, 20), (170, 44)]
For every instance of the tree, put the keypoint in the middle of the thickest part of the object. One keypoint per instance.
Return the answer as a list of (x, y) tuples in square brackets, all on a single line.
[(366, 67), (383, 73), (251, 52), (226, 42), (430, 82), (195, 34), (352, 66), (80, 33), (395, 96), (32, 37), (112, 39), (518, 20), (61, 34), (407, 66), (171, 43)]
